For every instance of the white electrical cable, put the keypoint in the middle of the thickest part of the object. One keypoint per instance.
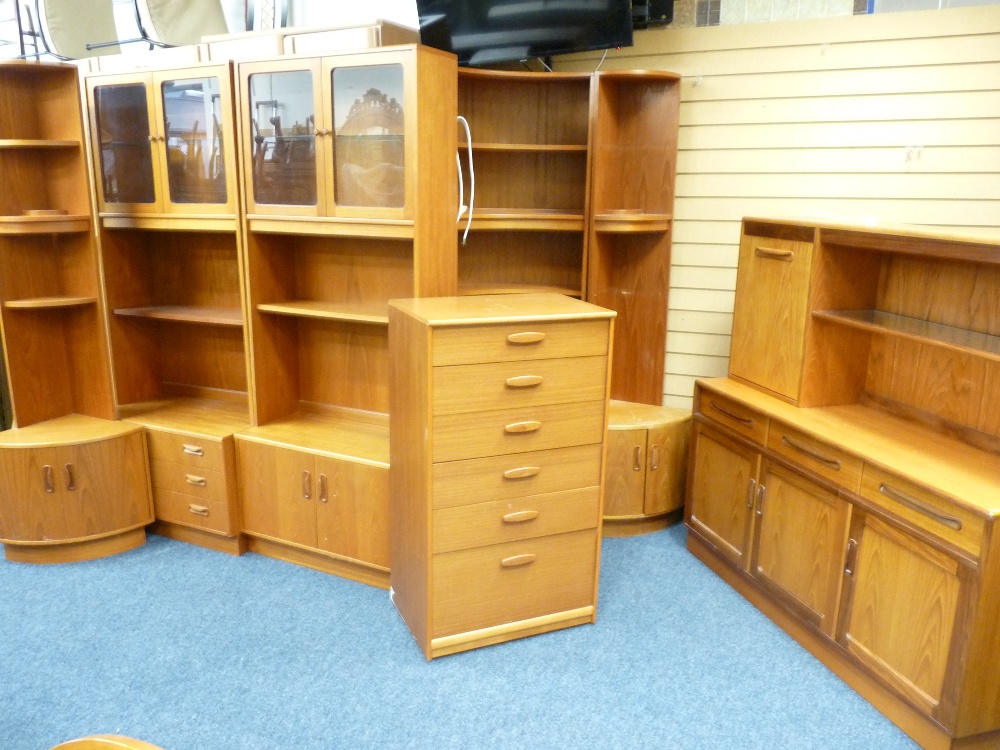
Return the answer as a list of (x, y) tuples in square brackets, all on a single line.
[(462, 208)]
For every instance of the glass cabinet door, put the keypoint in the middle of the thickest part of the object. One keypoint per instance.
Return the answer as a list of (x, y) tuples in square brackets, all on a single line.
[(369, 164), (125, 143), (194, 140), (282, 140)]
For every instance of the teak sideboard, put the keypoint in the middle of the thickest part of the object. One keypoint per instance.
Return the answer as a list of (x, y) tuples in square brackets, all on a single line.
[(845, 477)]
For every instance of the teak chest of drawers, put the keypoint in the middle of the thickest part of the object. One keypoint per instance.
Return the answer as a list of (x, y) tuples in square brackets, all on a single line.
[(499, 413)]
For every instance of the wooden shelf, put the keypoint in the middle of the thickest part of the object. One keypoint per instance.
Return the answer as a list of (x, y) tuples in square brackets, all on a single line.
[(401, 229), (64, 224), (475, 289), (527, 148), (627, 222), (921, 331), (29, 143), (376, 314), (48, 303), (217, 316), (526, 219)]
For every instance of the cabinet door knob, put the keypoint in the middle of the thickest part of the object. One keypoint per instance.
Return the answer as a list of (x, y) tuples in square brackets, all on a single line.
[(521, 472), (524, 381), (654, 458), (520, 516), (519, 427), (751, 485), (761, 493), (322, 488), (526, 337), (194, 450), (70, 479), (198, 510), (852, 549), (47, 478), (637, 459), (516, 561), (196, 481), (306, 485)]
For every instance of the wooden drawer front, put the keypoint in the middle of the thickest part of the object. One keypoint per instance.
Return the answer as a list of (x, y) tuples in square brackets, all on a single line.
[(190, 450), (486, 586), (492, 433), (506, 385), (477, 480), (734, 415), (465, 526), (201, 483), (519, 341), (821, 458), (190, 510), (926, 509)]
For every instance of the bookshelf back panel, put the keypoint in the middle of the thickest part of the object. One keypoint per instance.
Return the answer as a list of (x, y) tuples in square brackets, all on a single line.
[(43, 178), (522, 259), (46, 266), (202, 356), (344, 364), (554, 181), (39, 103)]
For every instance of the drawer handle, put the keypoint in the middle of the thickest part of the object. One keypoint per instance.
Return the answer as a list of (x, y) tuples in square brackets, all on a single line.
[(519, 427), (524, 381), (526, 337), (813, 454), (196, 481), (722, 410), (194, 450), (47, 479), (521, 516), (70, 479), (521, 472), (518, 560), (772, 253), (920, 506), (198, 510)]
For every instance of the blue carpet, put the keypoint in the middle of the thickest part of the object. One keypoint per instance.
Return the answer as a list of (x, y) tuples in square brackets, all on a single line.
[(195, 650)]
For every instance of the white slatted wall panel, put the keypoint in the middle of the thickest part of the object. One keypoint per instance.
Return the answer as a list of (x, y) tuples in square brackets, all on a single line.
[(892, 117)]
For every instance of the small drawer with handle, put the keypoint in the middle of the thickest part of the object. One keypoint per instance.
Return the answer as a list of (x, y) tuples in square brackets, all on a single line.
[(924, 508), (465, 526), (519, 341), (203, 483), (190, 510), (815, 455), (733, 414), (191, 450)]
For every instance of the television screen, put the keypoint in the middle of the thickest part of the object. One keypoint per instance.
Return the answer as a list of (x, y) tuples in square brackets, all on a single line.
[(481, 32)]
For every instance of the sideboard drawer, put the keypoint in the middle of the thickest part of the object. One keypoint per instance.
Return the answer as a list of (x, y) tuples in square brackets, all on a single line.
[(733, 414), (184, 449), (198, 482), (492, 433), (486, 586), (815, 455), (464, 526), (517, 341), (189, 510), (924, 508), (506, 385)]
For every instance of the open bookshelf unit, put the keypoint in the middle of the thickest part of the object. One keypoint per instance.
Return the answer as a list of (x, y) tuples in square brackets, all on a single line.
[(632, 186)]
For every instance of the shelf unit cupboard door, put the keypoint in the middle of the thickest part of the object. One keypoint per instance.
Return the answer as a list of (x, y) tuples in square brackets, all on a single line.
[(30, 507), (284, 151), (722, 493), (625, 488), (901, 610), (280, 501), (352, 512), (769, 318), (801, 537), (666, 451)]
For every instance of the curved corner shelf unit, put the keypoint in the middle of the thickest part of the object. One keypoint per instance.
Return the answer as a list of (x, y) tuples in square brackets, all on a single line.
[(631, 222)]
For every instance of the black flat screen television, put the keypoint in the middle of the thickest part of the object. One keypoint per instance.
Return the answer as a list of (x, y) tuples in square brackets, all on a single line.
[(482, 32)]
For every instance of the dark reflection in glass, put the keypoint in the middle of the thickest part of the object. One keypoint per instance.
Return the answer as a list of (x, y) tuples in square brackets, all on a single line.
[(284, 142), (126, 150), (192, 122)]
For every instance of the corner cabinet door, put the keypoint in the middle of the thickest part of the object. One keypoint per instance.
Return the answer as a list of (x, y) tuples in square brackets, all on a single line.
[(900, 610), (279, 492), (769, 320), (123, 121), (625, 485), (30, 498), (801, 538), (722, 493), (106, 485)]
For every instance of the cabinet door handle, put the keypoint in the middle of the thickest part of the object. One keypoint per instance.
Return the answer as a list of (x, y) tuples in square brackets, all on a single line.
[(521, 472), (198, 510), (516, 561), (47, 478), (524, 381), (761, 493), (306, 485), (196, 481), (852, 551), (519, 427), (805, 450), (920, 506), (521, 516), (193, 450), (772, 253), (654, 458), (637, 459), (70, 479), (526, 337), (724, 411), (322, 488), (750, 493)]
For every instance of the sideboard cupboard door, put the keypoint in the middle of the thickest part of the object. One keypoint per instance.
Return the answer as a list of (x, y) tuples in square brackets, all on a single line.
[(352, 510), (278, 492), (801, 537), (722, 493), (769, 318)]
